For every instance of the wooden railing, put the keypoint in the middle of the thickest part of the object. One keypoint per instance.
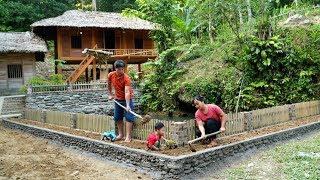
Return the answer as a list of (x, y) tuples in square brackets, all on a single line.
[(77, 86), (132, 52)]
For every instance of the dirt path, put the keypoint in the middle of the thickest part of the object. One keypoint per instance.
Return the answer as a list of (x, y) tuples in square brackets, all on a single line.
[(26, 157)]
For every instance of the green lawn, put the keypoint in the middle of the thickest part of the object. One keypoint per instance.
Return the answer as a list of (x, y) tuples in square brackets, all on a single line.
[(295, 160)]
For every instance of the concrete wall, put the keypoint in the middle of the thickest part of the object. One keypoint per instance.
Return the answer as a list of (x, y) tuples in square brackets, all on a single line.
[(12, 85), (163, 166), (12, 104), (88, 102)]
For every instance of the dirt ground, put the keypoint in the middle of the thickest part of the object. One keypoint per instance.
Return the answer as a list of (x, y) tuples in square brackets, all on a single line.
[(182, 150), (26, 157)]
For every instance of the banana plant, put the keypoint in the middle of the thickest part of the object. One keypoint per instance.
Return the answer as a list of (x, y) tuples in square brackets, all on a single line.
[(185, 25)]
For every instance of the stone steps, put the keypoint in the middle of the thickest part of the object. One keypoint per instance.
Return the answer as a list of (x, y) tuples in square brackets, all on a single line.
[(12, 105)]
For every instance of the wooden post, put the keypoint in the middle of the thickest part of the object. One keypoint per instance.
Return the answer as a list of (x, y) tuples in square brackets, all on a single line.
[(124, 39), (43, 116), (292, 112), (248, 126), (59, 43), (94, 67), (125, 65), (59, 70), (73, 120), (86, 74), (93, 38), (140, 71)]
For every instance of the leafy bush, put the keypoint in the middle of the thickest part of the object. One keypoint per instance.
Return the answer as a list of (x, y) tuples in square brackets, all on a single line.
[(54, 79)]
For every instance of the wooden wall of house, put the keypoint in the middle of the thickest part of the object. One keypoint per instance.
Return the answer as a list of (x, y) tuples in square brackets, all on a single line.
[(124, 39), (26, 60), (66, 50)]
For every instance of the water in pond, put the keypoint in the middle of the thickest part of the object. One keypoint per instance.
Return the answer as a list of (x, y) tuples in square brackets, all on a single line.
[(173, 118)]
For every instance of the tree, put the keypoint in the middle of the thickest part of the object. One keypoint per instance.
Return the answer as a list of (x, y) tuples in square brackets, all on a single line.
[(161, 13), (18, 15), (184, 23), (115, 6)]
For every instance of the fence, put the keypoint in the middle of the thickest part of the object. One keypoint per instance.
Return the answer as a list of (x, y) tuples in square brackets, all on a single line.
[(237, 123), (270, 116), (95, 123), (306, 109), (78, 86)]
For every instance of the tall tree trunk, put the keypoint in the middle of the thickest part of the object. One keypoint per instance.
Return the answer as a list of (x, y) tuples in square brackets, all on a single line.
[(94, 5), (210, 25), (249, 11), (240, 13), (82, 4)]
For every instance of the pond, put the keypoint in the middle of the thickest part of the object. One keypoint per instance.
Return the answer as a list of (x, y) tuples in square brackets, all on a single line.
[(175, 118)]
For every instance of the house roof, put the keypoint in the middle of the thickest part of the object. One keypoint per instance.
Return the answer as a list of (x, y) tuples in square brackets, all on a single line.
[(78, 18), (21, 42)]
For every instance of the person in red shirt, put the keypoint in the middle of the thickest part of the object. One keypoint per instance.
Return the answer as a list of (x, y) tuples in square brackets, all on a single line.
[(123, 94), (154, 139), (210, 118)]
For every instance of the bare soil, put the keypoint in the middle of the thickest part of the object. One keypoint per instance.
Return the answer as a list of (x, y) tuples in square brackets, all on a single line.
[(181, 150), (23, 157)]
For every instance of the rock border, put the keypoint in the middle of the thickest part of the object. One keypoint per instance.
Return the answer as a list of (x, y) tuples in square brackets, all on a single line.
[(163, 166)]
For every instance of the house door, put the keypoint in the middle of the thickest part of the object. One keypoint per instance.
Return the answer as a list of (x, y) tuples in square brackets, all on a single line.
[(109, 39), (15, 75)]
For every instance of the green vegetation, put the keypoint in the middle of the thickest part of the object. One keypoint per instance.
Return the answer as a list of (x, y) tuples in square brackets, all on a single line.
[(18, 15), (296, 160), (208, 48), (54, 79)]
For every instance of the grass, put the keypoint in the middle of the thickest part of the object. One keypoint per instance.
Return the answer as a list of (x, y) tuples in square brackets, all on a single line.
[(296, 166), (295, 160)]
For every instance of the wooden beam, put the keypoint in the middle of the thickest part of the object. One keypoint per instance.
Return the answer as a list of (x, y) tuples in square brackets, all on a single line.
[(124, 40), (87, 75), (126, 65), (140, 71), (59, 42), (59, 70), (93, 38), (94, 67), (83, 67)]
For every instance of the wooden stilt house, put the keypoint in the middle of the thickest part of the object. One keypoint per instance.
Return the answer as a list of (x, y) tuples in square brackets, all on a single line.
[(110, 37), (18, 53)]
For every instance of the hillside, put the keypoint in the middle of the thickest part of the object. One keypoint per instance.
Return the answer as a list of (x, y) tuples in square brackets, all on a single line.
[(215, 71)]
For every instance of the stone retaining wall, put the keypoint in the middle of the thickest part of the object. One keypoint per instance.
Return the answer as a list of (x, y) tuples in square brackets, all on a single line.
[(163, 166), (88, 102)]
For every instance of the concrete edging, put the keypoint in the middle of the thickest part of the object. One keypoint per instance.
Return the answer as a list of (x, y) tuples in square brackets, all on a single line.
[(163, 166)]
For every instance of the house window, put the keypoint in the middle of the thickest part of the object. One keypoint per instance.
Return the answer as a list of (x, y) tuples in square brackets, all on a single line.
[(76, 42), (138, 43), (14, 71)]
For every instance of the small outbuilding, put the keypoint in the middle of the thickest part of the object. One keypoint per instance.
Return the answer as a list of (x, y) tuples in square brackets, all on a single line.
[(19, 52)]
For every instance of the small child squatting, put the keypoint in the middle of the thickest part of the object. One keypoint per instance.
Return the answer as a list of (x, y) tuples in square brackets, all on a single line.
[(154, 139)]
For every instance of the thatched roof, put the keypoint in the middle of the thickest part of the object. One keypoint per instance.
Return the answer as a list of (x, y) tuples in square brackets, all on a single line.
[(26, 42), (78, 18)]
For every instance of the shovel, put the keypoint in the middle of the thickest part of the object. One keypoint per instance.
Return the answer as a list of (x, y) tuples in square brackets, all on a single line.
[(200, 138), (145, 119)]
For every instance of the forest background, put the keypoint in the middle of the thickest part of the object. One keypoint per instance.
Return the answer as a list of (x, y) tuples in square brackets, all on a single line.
[(267, 48)]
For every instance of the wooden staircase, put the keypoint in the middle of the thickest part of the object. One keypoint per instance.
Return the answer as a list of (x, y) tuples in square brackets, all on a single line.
[(81, 68)]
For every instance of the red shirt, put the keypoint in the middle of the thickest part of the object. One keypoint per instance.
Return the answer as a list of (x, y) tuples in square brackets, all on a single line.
[(119, 83), (152, 139), (214, 112)]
